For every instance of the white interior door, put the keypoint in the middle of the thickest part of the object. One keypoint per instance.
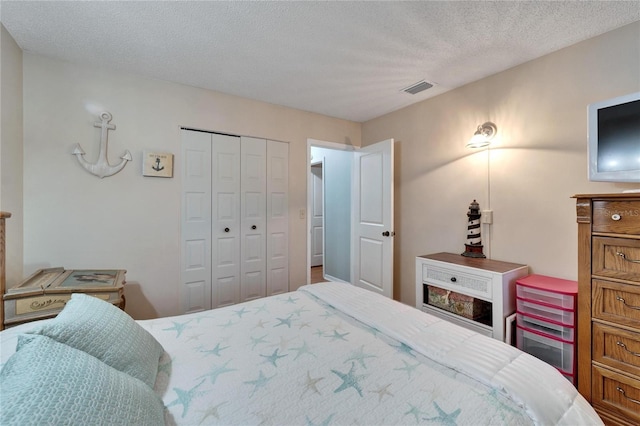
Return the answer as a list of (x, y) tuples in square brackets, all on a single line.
[(317, 225), (225, 220), (253, 218), (372, 212), (195, 263), (277, 217)]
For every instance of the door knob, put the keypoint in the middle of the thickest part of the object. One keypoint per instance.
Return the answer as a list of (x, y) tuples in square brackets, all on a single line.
[(385, 234), (226, 229), (254, 227)]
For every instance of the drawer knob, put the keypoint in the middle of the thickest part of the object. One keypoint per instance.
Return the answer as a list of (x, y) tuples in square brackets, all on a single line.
[(454, 279), (623, 346), (635, 401), (624, 302), (622, 255), (616, 216)]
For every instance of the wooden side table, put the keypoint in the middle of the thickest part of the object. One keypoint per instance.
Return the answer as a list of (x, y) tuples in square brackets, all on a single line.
[(44, 294)]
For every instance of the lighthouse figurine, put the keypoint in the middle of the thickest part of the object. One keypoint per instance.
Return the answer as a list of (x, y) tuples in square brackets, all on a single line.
[(473, 247)]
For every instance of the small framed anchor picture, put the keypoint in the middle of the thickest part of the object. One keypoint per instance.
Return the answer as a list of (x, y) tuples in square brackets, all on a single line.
[(157, 164)]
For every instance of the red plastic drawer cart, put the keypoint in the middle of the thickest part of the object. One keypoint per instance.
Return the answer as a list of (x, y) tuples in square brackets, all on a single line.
[(546, 321)]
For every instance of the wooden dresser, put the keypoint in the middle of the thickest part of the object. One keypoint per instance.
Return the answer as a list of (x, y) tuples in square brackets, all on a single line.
[(609, 304)]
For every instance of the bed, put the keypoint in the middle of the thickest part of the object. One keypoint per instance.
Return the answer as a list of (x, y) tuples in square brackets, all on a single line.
[(326, 354)]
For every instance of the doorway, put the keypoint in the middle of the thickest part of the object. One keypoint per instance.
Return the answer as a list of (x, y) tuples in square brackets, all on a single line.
[(329, 211)]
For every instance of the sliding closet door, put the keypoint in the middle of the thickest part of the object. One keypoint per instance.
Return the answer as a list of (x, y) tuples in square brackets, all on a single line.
[(195, 263), (277, 217), (225, 220), (253, 218)]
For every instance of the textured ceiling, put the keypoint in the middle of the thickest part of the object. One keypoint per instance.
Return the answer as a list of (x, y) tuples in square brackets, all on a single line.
[(344, 59)]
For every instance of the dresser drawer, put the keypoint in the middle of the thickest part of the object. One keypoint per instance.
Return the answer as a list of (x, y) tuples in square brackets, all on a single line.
[(618, 217), (617, 348), (616, 393), (616, 258), (616, 302), (470, 284)]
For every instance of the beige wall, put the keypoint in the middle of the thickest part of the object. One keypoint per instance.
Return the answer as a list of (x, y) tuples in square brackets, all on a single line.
[(76, 220), (537, 162), (11, 150)]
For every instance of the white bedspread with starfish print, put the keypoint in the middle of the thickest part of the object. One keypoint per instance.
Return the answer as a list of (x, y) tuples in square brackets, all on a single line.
[(301, 358)]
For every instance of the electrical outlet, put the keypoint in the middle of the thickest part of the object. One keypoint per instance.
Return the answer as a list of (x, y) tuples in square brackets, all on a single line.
[(487, 217), (302, 213)]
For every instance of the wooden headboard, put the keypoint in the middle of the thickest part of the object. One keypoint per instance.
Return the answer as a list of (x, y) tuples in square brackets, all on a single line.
[(3, 283)]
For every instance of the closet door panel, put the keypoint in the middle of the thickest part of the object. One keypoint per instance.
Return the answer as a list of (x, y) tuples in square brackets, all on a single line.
[(277, 217), (195, 261), (253, 218), (225, 219)]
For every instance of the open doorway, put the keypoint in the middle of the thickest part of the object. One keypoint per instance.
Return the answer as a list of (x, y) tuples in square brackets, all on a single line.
[(316, 215), (329, 211)]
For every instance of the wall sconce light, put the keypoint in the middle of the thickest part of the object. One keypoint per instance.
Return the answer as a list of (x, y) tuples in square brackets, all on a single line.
[(483, 135)]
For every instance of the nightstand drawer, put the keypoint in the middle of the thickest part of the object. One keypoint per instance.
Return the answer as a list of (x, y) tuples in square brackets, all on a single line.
[(617, 348), (619, 217), (616, 302), (616, 392), (461, 282), (616, 258)]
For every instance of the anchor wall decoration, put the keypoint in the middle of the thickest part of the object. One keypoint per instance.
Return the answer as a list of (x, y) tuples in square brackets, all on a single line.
[(102, 168)]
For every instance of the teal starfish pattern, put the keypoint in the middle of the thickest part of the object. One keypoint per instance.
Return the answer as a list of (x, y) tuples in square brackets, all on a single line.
[(241, 312), (217, 371), (359, 356), (186, 396), (447, 419), (262, 308), (415, 411), (257, 340), (338, 336), (215, 351), (291, 300), (349, 380), (407, 367), (284, 321), (273, 358), (304, 349), (260, 382), (178, 327), (226, 324), (402, 348)]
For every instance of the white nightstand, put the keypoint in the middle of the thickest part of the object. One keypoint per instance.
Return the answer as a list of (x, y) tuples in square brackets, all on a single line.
[(490, 282)]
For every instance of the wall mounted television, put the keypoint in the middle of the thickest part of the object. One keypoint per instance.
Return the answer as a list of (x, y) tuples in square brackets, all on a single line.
[(614, 139)]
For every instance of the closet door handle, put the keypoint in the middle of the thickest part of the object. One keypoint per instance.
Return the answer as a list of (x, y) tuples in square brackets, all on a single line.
[(624, 256), (254, 227), (226, 229)]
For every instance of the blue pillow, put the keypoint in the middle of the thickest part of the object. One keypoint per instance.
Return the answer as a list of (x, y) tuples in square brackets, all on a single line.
[(108, 333), (46, 382)]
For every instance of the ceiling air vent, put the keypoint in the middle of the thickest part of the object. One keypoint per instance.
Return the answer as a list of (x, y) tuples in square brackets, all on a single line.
[(418, 87)]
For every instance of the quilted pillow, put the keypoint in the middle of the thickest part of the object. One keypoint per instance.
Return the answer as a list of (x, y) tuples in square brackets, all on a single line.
[(108, 333), (46, 382)]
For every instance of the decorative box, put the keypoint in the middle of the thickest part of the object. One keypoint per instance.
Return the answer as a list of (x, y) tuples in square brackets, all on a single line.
[(44, 294), (459, 304)]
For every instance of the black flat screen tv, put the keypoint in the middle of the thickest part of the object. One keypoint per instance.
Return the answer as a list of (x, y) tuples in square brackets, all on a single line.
[(614, 139)]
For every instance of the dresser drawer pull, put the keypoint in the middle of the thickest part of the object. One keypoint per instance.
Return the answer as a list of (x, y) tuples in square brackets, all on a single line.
[(624, 302), (616, 216), (622, 255), (635, 401), (623, 346)]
